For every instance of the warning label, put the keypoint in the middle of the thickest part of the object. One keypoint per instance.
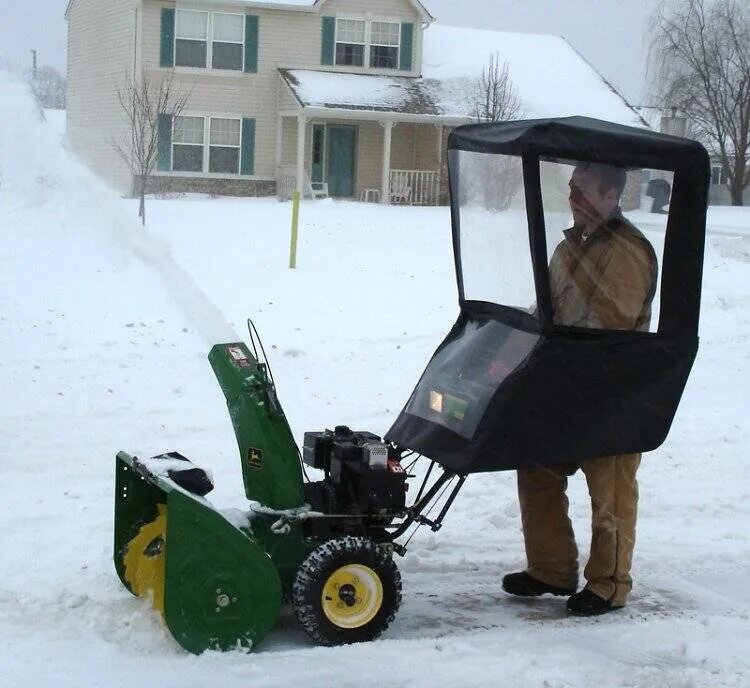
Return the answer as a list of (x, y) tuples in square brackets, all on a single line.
[(238, 356)]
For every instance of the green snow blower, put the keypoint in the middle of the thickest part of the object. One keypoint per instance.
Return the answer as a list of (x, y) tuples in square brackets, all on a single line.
[(508, 388), (218, 579)]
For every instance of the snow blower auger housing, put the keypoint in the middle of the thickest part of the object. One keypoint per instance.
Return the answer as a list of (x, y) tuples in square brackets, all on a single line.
[(218, 578), (512, 386)]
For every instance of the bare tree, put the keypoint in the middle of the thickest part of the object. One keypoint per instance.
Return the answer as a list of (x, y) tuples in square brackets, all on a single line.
[(143, 105), (496, 98), (48, 86), (702, 48)]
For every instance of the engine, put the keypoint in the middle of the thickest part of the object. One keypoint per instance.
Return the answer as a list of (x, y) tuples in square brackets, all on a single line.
[(363, 478)]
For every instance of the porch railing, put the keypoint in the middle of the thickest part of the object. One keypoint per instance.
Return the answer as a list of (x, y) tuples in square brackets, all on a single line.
[(286, 183), (407, 187), (415, 187)]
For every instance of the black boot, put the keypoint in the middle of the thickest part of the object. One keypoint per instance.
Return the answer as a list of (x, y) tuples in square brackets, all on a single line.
[(587, 603), (525, 585)]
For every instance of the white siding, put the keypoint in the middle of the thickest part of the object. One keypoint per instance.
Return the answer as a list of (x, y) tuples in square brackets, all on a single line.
[(287, 101), (102, 50), (101, 45)]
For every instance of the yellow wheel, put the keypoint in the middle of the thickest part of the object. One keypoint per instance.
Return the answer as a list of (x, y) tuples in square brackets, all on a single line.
[(144, 560), (346, 591), (352, 596)]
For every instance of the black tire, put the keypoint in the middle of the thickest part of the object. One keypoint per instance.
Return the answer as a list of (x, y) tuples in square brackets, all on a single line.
[(363, 609)]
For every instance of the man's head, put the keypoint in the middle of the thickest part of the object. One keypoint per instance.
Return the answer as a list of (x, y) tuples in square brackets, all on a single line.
[(595, 191)]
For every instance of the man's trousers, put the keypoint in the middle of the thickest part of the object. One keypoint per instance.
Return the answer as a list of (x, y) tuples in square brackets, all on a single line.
[(550, 544)]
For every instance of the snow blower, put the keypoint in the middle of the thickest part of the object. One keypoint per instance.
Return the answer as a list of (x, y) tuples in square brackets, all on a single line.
[(509, 387)]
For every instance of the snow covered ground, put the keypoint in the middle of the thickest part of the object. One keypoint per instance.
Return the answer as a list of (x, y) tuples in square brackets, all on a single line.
[(105, 331)]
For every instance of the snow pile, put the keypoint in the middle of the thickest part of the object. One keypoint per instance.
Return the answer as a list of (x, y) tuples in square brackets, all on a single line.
[(103, 350)]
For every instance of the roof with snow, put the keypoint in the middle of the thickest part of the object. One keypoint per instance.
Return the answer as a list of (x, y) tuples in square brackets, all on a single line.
[(552, 80), (363, 92), (304, 5)]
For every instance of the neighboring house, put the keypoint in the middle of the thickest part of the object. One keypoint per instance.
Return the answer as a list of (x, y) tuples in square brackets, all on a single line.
[(348, 98), (670, 121), (719, 193)]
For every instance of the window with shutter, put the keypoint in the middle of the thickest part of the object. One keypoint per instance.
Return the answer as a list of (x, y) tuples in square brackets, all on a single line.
[(385, 40), (350, 42), (187, 144), (228, 41), (224, 146)]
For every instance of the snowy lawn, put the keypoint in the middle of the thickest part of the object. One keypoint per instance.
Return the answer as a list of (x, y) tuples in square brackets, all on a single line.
[(106, 328)]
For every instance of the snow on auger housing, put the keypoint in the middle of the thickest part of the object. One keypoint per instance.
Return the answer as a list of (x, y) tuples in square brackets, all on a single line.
[(508, 388)]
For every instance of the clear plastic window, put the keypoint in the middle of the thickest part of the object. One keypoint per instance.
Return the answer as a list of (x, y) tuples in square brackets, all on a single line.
[(494, 236), (464, 375), (605, 230)]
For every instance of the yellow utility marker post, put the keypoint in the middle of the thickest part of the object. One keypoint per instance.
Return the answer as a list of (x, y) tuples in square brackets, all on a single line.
[(295, 224)]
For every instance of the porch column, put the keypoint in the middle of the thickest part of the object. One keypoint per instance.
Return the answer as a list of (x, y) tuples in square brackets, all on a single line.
[(301, 125), (385, 182)]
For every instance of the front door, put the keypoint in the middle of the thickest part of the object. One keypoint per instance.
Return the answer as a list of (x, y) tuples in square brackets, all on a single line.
[(342, 142)]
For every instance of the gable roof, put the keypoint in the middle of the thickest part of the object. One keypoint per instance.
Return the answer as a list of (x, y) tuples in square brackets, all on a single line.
[(551, 78)]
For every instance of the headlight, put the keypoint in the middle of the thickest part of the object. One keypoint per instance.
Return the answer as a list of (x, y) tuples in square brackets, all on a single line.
[(436, 401)]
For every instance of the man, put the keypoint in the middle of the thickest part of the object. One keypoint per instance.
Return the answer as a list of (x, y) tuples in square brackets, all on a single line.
[(603, 275)]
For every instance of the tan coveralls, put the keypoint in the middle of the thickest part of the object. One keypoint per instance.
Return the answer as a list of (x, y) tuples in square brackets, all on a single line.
[(606, 281)]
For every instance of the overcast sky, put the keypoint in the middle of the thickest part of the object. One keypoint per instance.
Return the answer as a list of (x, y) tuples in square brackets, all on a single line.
[(611, 34)]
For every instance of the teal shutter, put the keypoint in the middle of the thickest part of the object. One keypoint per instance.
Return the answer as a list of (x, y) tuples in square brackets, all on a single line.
[(167, 38), (164, 144), (407, 47), (328, 40), (248, 147), (251, 43)]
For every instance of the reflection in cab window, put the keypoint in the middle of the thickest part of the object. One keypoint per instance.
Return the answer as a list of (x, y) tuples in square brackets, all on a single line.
[(605, 236)]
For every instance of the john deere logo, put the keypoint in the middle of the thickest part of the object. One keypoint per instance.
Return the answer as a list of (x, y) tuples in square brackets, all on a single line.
[(254, 457)]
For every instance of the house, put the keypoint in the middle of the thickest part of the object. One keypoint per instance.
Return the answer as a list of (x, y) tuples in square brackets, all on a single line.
[(347, 98), (675, 122)]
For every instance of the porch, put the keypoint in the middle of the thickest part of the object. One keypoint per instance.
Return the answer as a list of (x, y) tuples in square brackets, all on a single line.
[(365, 137), (376, 161)]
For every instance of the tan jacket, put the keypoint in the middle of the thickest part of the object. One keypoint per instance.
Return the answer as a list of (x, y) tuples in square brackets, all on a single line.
[(607, 281)]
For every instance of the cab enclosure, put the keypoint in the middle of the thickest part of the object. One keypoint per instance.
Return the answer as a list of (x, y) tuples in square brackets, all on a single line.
[(510, 386)]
